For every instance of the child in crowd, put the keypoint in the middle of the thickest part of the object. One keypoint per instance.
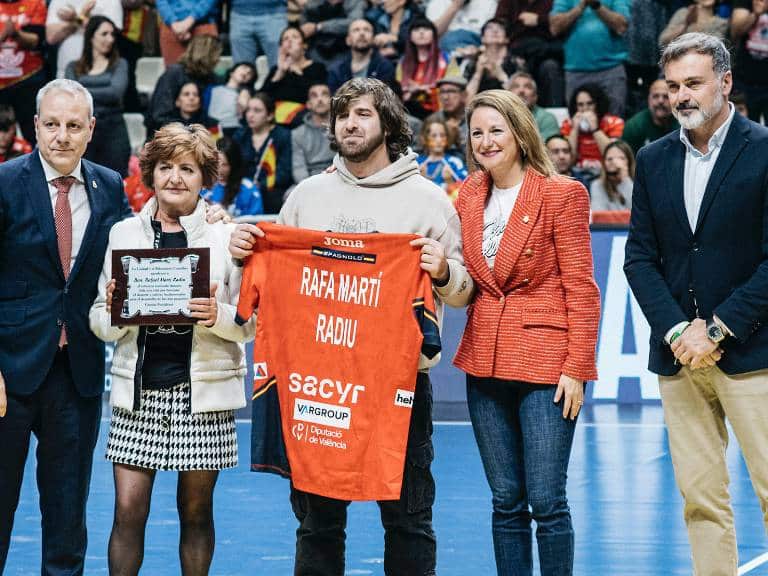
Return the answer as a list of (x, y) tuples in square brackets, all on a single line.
[(238, 195), (228, 101), (445, 170)]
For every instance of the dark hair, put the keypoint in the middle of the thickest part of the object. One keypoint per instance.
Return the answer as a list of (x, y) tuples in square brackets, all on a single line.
[(199, 93), (500, 21), (231, 151), (557, 137), (7, 117), (410, 59), (237, 65), (85, 63), (394, 122), (610, 187), (266, 99), (292, 27), (598, 96), (738, 98)]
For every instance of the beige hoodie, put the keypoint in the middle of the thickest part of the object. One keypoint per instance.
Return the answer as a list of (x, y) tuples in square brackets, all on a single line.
[(396, 199)]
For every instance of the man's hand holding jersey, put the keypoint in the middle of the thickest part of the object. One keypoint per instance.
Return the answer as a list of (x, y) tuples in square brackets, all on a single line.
[(242, 240), (433, 259)]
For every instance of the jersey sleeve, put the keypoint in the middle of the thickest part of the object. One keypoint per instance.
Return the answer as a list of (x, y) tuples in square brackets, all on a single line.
[(424, 309), (249, 288)]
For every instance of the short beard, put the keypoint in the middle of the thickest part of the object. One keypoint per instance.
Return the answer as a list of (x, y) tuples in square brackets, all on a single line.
[(700, 116), (362, 152)]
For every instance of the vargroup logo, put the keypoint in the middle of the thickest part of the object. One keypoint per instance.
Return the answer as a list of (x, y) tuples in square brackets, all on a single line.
[(298, 431), (330, 241), (319, 413), (403, 398), (260, 370)]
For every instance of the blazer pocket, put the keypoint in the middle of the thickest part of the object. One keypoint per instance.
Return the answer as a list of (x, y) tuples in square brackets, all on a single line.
[(549, 318), (12, 290), (12, 316)]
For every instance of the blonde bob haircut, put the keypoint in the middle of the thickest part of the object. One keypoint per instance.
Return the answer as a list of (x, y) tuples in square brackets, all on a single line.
[(175, 140), (520, 121)]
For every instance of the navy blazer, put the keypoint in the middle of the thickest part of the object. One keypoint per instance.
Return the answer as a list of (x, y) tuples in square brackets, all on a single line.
[(721, 267), (34, 298)]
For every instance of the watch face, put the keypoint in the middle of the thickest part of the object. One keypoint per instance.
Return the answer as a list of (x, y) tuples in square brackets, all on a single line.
[(715, 333)]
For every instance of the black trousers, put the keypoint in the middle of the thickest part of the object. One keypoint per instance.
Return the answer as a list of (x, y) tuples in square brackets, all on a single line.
[(66, 426), (409, 541)]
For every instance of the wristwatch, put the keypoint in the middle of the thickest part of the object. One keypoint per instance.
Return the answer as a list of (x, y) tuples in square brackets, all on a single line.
[(714, 332)]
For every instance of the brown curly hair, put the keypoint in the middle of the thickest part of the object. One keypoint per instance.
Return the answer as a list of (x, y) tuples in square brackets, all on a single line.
[(174, 140), (394, 122)]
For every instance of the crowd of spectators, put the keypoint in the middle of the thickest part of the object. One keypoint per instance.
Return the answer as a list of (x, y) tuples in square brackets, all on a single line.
[(597, 59)]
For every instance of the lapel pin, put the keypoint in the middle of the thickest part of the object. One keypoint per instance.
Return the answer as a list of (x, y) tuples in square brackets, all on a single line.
[(525, 219), (93, 183)]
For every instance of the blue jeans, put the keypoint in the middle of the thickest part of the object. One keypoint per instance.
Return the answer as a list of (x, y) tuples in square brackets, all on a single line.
[(251, 36), (525, 444)]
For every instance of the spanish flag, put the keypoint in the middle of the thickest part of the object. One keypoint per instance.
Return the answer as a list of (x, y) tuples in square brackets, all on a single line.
[(269, 164), (287, 111)]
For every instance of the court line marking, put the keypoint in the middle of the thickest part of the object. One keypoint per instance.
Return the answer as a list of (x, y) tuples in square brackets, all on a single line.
[(752, 564)]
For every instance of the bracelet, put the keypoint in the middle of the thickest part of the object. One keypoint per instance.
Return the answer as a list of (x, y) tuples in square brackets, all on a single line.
[(679, 333)]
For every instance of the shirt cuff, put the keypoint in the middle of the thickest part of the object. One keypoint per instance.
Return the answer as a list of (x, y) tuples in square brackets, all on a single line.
[(676, 328)]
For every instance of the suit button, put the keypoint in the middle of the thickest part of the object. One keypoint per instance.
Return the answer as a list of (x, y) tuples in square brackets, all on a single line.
[(526, 281), (526, 218), (502, 300), (528, 252), (59, 322)]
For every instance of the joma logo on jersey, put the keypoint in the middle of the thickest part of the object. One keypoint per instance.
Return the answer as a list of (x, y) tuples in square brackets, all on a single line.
[(329, 241), (319, 413)]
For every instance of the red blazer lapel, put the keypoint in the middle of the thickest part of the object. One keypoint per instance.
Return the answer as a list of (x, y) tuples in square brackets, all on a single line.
[(519, 226), (476, 190)]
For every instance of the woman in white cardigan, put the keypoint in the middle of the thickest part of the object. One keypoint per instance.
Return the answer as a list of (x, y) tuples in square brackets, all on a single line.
[(175, 387)]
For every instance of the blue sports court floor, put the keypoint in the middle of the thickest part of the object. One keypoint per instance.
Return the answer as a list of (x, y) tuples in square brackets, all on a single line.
[(626, 510)]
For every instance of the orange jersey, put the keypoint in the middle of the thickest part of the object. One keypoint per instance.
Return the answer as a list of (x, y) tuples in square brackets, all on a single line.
[(342, 319)]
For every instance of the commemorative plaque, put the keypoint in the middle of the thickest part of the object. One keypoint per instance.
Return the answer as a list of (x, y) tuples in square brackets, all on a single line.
[(155, 286)]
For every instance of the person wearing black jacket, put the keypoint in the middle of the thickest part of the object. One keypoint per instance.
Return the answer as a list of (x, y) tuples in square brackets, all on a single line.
[(362, 60)]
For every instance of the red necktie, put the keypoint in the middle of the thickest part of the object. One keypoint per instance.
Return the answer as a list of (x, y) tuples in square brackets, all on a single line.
[(62, 218)]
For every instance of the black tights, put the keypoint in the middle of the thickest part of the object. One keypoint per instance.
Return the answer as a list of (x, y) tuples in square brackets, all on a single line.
[(194, 500)]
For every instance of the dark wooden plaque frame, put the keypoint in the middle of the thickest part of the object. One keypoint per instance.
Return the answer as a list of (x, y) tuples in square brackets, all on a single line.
[(201, 285)]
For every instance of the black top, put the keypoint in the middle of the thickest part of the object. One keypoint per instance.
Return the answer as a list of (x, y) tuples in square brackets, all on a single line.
[(295, 87), (167, 349)]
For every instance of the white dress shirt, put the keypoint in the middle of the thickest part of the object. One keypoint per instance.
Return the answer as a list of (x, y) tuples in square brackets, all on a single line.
[(698, 169), (78, 202)]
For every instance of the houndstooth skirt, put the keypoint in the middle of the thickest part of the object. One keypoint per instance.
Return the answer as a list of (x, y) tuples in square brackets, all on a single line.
[(165, 435)]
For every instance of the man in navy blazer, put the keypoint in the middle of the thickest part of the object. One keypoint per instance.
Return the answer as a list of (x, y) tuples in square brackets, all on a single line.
[(697, 262), (51, 364)]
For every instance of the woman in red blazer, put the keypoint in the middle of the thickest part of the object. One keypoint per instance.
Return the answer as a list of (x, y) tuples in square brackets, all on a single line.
[(529, 343)]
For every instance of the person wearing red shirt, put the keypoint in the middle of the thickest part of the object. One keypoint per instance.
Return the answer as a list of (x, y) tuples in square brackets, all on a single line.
[(22, 28), (590, 128)]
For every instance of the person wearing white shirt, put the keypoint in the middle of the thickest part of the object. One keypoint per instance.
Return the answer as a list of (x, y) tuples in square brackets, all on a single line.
[(697, 263)]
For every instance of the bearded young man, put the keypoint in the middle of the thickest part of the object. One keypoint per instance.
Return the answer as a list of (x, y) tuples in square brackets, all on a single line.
[(377, 187), (697, 262)]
